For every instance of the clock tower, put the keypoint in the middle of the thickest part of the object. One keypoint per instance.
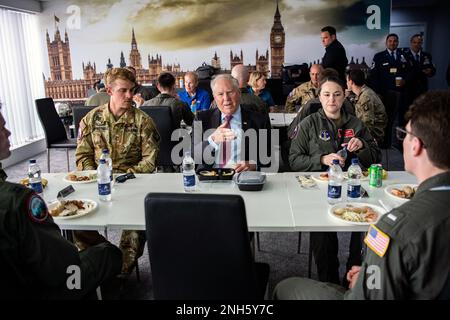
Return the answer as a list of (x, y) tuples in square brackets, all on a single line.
[(277, 42)]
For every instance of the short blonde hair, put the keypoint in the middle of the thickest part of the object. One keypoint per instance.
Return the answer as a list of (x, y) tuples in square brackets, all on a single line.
[(118, 73), (254, 77)]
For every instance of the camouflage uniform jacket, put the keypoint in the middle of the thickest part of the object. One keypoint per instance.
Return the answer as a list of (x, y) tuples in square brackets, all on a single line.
[(132, 140), (370, 110), (301, 95), (180, 110)]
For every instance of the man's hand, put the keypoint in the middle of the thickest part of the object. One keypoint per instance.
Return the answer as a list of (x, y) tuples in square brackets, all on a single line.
[(244, 166), (354, 145), (328, 159), (352, 276), (137, 98), (428, 72), (223, 134)]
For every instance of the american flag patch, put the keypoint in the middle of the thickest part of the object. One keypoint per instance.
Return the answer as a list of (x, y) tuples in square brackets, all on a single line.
[(377, 240)]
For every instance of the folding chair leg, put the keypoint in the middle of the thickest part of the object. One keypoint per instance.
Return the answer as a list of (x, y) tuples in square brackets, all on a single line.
[(299, 242), (68, 164), (138, 274), (257, 242), (48, 160), (309, 257), (99, 293)]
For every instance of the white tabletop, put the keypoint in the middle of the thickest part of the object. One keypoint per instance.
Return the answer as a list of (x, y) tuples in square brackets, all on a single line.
[(289, 117), (282, 205), (277, 119)]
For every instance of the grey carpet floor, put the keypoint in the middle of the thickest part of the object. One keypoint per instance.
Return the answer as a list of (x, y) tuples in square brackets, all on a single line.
[(279, 250)]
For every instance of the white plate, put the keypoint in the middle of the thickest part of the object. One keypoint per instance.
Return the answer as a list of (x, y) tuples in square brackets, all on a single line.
[(377, 209), (80, 174), (388, 190), (82, 212)]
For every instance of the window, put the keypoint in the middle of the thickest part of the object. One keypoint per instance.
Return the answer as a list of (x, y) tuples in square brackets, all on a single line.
[(21, 75)]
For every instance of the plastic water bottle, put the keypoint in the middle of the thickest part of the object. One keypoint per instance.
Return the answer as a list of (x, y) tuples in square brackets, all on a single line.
[(188, 172), (335, 178), (105, 155), (34, 177), (104, 181), (354, 180)]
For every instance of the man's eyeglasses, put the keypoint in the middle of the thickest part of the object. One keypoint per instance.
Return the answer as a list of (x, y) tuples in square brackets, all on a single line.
[(401, 134)]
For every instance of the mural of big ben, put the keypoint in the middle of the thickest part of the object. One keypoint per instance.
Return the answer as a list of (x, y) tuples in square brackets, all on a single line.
[(277, 42)]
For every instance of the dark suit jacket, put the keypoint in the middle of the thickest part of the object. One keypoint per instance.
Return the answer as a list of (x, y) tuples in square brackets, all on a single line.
[(336, 58), (211, 119)]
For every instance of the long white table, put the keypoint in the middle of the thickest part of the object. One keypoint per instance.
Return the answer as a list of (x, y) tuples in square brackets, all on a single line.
[(278, 119), (282, 206)]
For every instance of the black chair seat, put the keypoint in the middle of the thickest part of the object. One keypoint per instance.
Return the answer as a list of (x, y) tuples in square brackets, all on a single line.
[(68, 143)]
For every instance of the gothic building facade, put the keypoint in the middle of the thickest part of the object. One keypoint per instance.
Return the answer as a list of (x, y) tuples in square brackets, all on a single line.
[(277, 45)]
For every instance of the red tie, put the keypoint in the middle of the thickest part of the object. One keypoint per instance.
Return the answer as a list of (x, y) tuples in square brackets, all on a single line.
[(226, 145)]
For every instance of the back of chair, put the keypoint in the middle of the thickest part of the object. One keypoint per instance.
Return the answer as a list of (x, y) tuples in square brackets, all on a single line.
[(391, 102), (78, 113), (199, 247), (53, 127), (162, 116)]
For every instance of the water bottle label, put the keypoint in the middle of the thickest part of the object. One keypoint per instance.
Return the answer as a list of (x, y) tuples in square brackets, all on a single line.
[(354, 191), (189, 181), (37, 187), (334, 192), (104, 189)]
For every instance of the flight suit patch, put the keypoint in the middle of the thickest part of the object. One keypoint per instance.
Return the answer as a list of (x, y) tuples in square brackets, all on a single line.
[(37, 209), (377, 240), (324, 135)]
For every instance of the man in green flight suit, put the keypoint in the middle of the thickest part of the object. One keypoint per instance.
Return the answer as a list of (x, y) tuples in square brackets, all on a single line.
[(36, 262), (408, 254), (132, 139)]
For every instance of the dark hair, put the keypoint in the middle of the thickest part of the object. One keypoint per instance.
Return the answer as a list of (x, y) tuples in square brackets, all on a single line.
[(334, 79), (331, 30), (429, 117), (166, 80), (391, 35), (417, 35), (357, 76), (327, 73)]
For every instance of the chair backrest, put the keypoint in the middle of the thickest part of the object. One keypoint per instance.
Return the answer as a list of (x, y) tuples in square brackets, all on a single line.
[(391, 102), (445, 292), (162, 116), (53, 127), (78, 113), (199, 247)]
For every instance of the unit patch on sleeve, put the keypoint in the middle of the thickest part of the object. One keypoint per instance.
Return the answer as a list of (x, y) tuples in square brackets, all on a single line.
[(37, 209), (377, 240)]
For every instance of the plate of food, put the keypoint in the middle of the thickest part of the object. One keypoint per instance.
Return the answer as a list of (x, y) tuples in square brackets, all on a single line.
[(357, 213), (401, 192), (26, 182), (215, 174), (86, 176), (321, 177), (70, 209)]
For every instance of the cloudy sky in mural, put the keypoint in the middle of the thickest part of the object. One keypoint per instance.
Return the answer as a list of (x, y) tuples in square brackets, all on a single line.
[(190, 31)]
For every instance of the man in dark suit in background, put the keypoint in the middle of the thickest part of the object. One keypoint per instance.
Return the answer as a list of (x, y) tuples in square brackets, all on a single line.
[(229, 126), (335, 56)]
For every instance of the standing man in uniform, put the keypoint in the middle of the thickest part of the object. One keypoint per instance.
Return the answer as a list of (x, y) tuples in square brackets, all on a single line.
[(304, 92), (131, 137), (421, 68), (368, 106), (408, 256), (335, 56), (36, 262)]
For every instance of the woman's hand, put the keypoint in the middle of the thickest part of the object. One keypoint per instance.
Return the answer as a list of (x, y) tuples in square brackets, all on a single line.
[(328, 159), (354, 145)]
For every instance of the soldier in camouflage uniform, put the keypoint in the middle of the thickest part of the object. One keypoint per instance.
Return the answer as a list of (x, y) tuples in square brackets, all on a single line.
[(180, 110), (306, 91), (131, 137), (408, 256), (36, 262), (368, 106)]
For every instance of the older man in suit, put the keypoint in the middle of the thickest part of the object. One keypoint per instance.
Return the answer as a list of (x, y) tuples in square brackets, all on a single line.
[(226, 137)]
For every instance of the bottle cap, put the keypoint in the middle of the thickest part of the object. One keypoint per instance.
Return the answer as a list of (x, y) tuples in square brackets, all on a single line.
[(355, 161), (102, 161), (187, 153), (335, 161), (105, 151), (33, 161)]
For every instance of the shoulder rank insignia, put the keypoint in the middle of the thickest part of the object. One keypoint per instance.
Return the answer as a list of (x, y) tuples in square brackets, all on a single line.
[(324, 135), (377, 240), (37, 209)]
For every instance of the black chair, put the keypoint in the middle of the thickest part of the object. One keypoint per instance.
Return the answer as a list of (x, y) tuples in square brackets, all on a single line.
[(162, 116), (55, 133), (199, 248), (78, 113), (391, 101)]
